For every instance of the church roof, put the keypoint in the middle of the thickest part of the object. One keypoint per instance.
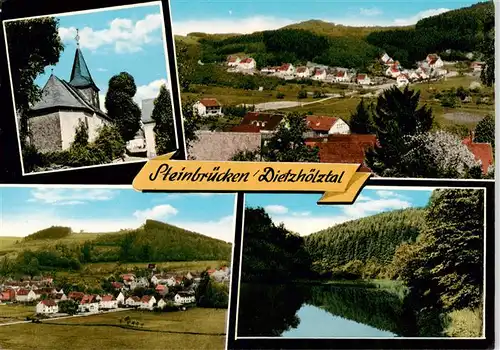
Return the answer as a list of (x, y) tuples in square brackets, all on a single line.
[(80, 74), (58, 93), (147, 110)]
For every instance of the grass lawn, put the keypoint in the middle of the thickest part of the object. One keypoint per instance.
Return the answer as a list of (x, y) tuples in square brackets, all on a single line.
[(15, 312), (160, 331)]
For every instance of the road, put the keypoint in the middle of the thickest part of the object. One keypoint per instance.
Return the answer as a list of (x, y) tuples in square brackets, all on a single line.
[(69, 316)]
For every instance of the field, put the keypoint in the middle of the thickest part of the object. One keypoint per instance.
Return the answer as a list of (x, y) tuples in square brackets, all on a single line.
[(196, 328), (14, 312)]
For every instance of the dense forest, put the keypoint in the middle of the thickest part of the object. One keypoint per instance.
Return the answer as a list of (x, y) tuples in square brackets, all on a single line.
[(451, 34), (154, 241), (436, 252)]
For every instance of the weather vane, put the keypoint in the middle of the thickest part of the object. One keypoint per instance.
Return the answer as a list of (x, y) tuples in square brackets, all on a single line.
[(77, 38)]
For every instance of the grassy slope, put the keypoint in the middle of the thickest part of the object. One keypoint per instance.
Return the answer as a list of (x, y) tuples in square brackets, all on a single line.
[(69, 333)]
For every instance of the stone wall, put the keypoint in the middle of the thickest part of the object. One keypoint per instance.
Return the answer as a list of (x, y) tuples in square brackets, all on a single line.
[(46, 132)]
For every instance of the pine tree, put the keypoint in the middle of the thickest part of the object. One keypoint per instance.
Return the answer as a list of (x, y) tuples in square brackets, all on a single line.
[(485, 131), (164, 128), (120, 105), (361, 121), (396, 115)]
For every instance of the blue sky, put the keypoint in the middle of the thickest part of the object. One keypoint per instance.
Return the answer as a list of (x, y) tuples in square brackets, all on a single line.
[(25, 210), (301, 214), (126, 39), (223, 16)]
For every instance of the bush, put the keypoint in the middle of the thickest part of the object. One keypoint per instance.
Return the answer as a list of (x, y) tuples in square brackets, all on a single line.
[(302, 94), (465, 323), (280, 95), (318, 94)]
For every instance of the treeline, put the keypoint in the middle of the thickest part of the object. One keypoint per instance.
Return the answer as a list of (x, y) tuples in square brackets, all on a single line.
[(155, 241), (452, 34), (274, 47), (374, 238), (53, 232)]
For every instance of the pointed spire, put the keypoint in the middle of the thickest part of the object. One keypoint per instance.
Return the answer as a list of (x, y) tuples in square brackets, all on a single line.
[(80, 74), (77, 38)]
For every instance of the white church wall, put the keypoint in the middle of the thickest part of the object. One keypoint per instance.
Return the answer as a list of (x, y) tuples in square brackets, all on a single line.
[(150, 139)]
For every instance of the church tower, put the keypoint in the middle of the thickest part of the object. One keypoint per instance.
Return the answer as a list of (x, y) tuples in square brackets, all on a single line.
[(81, 78)]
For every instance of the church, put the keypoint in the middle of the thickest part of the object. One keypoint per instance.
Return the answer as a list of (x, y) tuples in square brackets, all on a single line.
[(53, 120)]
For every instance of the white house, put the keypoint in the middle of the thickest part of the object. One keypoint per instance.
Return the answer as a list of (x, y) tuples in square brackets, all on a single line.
[(208, 107), (342, 77), (132, 301), (402, 80), (161, 303), (120, 299), (233, 61), (47, 307), (286, 69), (171, 281), (147, 302), (302, 72), (434, 61), (325, 125), (414, 76), (108, 302), (184, 298), (363, 79), (393, 71), (128, 278), (142, 282), (88, 304), (25, 295), (477, 67), (247, 63), (319, 74), (386, 59), (269, 70), (219, 275)]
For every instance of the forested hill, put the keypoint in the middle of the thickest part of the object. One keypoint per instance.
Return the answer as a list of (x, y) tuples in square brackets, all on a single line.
[(460, 31), (370, 238), (58, 248)]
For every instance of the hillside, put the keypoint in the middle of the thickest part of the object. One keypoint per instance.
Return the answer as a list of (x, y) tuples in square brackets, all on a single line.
[(370, 238), (54, 232), (338, 30), (451, 34), (154, 241)]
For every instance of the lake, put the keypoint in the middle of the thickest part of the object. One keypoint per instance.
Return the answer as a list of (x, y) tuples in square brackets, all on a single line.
[(316, 311)]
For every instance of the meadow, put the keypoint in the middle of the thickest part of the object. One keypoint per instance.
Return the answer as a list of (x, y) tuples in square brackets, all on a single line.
[(197, 328)]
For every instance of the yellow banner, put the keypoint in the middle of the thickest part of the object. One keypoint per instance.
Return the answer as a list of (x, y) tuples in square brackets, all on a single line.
[(341, 183)]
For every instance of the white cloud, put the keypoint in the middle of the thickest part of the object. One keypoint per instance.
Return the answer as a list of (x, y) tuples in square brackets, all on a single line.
[(224, 25), (348, 212), (150, 90), (302, 213), (390, 194), (102, 70), (222, 229), (124, 34), (59, 196), (423, 14), (276, 209), (158, 212), (370, 11)]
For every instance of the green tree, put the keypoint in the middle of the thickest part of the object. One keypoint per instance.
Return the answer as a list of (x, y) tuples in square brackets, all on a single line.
[(120, 105), (302, 94), (164, 128), (191, 122), (361, 120), (110, 142), (397, 115), (246, 156), (81, 135), (488, 48), (485, 131), (288, 144), (33, 45), (69, 307)]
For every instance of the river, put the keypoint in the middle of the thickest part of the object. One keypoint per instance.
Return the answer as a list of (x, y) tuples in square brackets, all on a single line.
[(316, 311)]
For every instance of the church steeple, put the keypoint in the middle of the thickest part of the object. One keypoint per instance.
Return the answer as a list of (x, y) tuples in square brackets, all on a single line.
[(81, 77)]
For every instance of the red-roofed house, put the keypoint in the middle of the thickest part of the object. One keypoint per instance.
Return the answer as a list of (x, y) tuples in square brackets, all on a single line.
[(88, 303), (342, 77), (266, 122), (247, 63), (393, 71), (303, 72), (161, 289), (76, 295), (286, 69), (208, 107), (245, 128), (386, 59), (477, 66), (8, 295), (233, 61), (46, 307), (117, 285), (211, 271), (108, 302), (25, 295), (147, 302), (343, 148), (482, 152), (324, 125), (133, 301), (363, 79), (402, 80), (319, 74), (434, 61)]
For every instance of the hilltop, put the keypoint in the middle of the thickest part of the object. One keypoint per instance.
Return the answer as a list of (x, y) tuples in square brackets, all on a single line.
[(374, 237), (153, 241)]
